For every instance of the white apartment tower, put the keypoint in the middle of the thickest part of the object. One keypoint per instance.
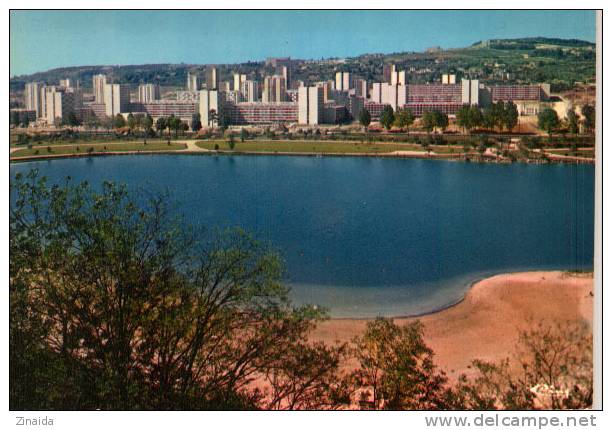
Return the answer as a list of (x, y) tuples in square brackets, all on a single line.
[(193, 82), (398, 78), (285, 72), (33, 98), (249, 91), (212, 78), (148, 93), (98, 87), (469, 91), (310, 105), (448, 79), (394, 95), (116, 98), (343, 81), (59, 102), (238, 80), (361, 87), (274, 89), (210, 108), (376, 94), (66, 83)]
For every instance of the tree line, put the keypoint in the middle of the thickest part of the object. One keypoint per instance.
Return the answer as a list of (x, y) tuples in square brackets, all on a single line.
[(116, 304), (499, 116)]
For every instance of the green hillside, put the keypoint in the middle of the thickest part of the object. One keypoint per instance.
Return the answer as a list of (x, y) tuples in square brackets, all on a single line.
[(561, 62)]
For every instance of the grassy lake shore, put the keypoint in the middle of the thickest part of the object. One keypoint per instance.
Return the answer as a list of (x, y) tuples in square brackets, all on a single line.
[(273, 147)]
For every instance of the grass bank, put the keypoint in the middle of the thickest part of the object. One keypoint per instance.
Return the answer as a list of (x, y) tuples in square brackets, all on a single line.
[(304, 146), (98, 148)]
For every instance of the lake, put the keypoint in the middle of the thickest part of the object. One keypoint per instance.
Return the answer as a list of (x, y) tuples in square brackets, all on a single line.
[(374, 236)]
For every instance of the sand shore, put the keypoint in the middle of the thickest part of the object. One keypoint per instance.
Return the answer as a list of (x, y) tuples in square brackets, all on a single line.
[(486, 323)]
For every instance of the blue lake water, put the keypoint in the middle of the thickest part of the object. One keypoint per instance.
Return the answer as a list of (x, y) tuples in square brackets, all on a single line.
[(373, 236)]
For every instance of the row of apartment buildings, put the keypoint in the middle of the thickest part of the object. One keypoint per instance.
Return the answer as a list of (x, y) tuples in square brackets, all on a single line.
[(239, 103)]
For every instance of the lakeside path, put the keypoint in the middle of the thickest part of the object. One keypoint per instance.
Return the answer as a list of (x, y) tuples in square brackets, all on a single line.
[(486, 323), (394, 150)]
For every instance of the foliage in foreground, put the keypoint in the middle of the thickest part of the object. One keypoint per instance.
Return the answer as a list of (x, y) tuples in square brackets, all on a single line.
[(115, 305)]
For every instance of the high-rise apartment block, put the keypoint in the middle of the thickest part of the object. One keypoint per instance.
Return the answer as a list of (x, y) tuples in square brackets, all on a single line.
[(116, 98), (66, 83), (148, 93), (99, 81), (193, 81), (328, 89), (249, 91), (398, 78), (361, 87), (274, 89), (285, 72), (33, 97), (59, 103), (388, 69), (212, 78), (449, 79), (210, 108), (343, 81), (389, 94), (282, 67), (392, 76), (310, 105), (238, 80), (469, 91)]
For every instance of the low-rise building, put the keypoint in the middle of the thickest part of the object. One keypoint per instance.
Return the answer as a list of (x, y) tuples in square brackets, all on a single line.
[(259, 113), (165, 108)]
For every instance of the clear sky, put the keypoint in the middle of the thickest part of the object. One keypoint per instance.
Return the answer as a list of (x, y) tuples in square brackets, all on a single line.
[(42, 40)]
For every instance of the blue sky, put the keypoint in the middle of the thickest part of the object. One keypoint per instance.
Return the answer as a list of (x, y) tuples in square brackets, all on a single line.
[(42, 40)]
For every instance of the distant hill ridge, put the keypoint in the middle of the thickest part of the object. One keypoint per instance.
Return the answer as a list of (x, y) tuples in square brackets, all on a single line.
[(553, 53)]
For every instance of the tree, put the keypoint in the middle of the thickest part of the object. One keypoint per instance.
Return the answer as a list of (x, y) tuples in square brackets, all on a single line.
[(71, 120), (488, 118), (231, 142), (174, 123), (387, 117), (397, 366), (108, 122), (147, 124), (557, 373), (93, 122), (548, 120), (588, 112), (116, 304), (118, 121), (131, 122), (572, 121), (434, 119), (365, 118), (510, 117), (404, 118), (161, 124), (498, 111), (440, 119), (244, 134), (475, 117), (428, 120), (196, 123), (306, 376), (464, 119), (14, 118)]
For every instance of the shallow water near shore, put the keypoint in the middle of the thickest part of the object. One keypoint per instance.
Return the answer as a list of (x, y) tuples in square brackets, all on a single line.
[(369, 236)]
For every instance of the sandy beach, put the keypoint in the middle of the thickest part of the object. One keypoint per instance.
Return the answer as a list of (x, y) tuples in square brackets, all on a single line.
[(486, 323)]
